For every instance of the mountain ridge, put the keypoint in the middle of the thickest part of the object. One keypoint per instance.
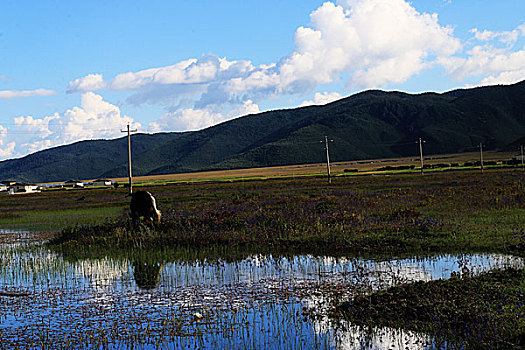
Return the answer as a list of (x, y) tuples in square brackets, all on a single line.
[(369, 124)]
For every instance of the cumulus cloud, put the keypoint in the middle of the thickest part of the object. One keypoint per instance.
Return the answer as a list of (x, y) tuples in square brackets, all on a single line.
[(509, 77), (507, 37), (322, 99), (90, 82), (6, 148), (36, 126), (372, 42), (8, 94), (489, 60), (192, 71), (368, 43), (356, 43), (95, 118), (195, 119)]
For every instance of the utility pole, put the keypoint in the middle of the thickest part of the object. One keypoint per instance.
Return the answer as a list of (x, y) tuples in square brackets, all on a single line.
[(327, 158), (421, 153), (522, 156), (481, 156), (129, 158)]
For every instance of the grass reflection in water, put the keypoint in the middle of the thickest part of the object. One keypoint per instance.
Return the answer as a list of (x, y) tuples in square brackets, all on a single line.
[(155, 299)]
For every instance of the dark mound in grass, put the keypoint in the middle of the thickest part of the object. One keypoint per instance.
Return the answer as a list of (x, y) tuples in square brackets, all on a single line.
[(485, 311)]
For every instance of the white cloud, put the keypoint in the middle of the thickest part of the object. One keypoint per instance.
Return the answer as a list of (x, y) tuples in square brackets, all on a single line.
[(507, 37), (322, 99), (359, 43), (200, 81), (493, 63), (509, 77), (8, 94), (94, 119), (6, 149), (186, 119), (36, 126), (90, 82), (375, 42), (195, 119), (204, 70), (368, 43)]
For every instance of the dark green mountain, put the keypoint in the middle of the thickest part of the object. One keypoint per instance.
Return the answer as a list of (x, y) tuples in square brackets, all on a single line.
[(371, 124)]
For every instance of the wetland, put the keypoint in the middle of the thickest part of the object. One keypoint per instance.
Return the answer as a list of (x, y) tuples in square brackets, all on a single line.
[(265, 264)]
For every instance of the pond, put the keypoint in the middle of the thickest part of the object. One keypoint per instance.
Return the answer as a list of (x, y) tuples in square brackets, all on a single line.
[(179, 298)]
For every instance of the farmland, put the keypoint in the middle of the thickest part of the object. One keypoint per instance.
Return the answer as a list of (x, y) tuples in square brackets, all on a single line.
[(459, 161)]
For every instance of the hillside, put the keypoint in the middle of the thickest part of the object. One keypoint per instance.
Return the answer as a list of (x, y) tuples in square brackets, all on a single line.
[(371, 124)]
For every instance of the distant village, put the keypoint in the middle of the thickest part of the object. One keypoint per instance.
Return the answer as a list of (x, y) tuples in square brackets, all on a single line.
[(13, 187)]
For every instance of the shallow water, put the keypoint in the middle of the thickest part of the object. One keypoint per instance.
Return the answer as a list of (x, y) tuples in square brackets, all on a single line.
[(154, 301)]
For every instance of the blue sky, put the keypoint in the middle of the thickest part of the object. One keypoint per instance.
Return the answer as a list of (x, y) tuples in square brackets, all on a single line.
[(75, 70)]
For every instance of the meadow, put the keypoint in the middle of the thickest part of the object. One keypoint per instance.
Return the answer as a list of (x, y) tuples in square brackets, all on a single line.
[(378, 217), (437, 212)]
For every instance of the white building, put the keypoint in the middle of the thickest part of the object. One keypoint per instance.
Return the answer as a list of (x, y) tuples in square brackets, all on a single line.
[(103, 182), (21, 187), (74, 184)]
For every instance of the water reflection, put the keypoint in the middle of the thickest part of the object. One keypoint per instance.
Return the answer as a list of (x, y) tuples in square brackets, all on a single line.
[(146, 273), (148, 300)]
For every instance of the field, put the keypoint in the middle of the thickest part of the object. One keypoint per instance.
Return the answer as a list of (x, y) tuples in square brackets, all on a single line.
[(460, 161), (382, 216), (461, 211)]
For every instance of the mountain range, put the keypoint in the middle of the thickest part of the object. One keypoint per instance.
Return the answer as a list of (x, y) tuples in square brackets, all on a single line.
[(370, 124)]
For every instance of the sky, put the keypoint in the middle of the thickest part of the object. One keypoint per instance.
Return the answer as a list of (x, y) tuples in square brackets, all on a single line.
[(82, 70)]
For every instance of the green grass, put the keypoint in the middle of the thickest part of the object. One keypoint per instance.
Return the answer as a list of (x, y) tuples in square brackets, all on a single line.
[(452, 211), (54, 220), (440, 212), (479, 312), (55, 210), (443, 212)]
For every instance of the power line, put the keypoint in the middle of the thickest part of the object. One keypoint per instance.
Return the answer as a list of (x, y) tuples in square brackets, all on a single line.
[(36, 129)]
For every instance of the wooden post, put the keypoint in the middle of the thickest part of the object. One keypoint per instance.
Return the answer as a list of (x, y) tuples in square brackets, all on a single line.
[(129, 159), (522, 156), (327, 160), (421, 153), (481, 156)]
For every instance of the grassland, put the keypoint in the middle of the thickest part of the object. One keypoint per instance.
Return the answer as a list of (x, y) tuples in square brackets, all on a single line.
[(437, 212), (454, 211), (460, 161)]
